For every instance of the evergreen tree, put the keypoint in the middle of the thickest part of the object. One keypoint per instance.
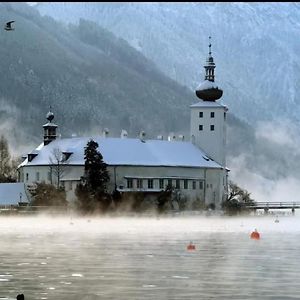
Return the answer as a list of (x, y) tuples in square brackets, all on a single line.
[(95, 168), (92, 191)]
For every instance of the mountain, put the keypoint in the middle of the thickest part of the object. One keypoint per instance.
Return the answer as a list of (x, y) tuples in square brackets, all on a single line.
[(94, 79), (255, 46), (91, 78)]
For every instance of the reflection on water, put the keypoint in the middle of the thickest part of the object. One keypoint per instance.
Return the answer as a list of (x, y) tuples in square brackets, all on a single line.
[(147, 258)]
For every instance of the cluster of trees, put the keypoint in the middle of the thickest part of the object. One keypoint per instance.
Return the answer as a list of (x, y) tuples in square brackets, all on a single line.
[(8, 164)]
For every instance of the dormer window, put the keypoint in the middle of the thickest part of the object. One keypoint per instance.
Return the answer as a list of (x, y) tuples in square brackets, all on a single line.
[(31, 156), (66, 155)]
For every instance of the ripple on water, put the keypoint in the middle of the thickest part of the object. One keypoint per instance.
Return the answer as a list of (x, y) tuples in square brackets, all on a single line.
[(149, 285), (77, 275), (180, 277)]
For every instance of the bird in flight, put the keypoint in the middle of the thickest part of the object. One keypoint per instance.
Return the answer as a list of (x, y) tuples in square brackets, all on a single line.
[(8, 26)]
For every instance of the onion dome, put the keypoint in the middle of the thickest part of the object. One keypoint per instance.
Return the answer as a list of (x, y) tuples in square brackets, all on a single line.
[(50, 115), (208, 90)]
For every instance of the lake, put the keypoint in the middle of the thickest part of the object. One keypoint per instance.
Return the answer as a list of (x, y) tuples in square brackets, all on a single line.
[(147, 258)]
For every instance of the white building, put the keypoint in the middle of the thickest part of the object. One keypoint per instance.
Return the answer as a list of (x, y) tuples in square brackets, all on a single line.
[(196, 168)]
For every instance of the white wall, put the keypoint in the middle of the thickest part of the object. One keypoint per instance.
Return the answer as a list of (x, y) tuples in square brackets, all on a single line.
[(211, 142), (211, 179)]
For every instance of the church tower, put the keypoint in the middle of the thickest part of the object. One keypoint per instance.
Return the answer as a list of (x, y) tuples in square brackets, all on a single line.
[(49, 128), (208, 127)]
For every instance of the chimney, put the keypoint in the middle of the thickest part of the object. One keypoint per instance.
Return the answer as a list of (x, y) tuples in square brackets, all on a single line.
[(181, 137), (171, 137), (124, 134), (193, 140), (142, 136), (105, 132)]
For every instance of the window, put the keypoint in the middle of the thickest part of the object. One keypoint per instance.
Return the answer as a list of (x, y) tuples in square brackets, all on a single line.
[(185, 184), (200, 114), (27, 176), (150, 183), (161, 183), (140, 183), (201, 185), (37, 176), (49, 176), (212, 127), (194, 185), (129, 183), (212, 114), (169, 182), (200, 127), (177, 184)]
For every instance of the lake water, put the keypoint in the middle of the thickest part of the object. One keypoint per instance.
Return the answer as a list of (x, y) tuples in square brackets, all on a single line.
[(147, 258)]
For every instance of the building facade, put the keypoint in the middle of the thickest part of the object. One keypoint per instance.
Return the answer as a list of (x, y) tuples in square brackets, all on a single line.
[(195, 168)]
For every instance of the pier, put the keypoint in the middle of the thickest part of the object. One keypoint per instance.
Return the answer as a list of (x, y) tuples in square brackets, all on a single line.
[(273, 205)]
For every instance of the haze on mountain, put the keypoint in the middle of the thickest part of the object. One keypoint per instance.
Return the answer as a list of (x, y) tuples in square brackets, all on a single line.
[(256, 46), (94, 80)]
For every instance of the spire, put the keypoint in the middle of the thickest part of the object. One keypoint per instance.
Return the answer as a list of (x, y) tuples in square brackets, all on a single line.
[(50, 115), (49, 128), (208, 90), (210, 65)]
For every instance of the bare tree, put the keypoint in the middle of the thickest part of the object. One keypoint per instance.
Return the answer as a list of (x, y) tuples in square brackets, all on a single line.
[(237, 199), (8, 165), (57, 165)]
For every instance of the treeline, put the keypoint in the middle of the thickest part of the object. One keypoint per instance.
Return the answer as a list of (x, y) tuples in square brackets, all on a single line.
[(8, 163)]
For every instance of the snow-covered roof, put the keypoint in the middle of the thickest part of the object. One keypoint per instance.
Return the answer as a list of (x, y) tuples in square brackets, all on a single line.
[(206, 85), (127, 151), (203, 103), (12, 193)]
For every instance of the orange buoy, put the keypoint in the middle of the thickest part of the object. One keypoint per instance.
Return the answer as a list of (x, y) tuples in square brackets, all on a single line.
[(255, 235), (191, 246)]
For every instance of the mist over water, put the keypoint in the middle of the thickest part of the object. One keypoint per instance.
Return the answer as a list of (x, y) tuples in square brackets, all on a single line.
[(147, 257)]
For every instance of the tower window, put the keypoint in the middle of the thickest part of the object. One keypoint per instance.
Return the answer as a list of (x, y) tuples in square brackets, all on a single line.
[(212, 114), (150, 183), (200, 114), (200, 127), (161, 183), (212, 127), (129, 183)]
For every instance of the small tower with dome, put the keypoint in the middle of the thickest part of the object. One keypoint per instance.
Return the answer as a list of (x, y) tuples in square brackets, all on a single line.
[(208, 128), (49, 128)]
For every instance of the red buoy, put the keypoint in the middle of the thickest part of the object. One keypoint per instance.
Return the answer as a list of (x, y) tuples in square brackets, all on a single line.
[(255, 235), (191, 246)]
